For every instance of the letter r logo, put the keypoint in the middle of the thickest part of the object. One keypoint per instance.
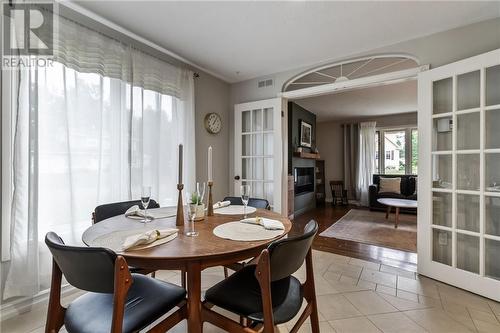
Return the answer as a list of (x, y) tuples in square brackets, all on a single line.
[(28, 29)]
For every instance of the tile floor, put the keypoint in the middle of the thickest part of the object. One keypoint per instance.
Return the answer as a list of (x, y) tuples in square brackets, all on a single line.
[(355, 296)]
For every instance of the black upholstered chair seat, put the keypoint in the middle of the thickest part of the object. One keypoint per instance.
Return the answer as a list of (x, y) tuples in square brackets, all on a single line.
[(147, 300), (240, 293)]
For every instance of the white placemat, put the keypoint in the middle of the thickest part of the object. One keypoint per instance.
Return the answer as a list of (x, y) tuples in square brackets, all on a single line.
[(114, 240), (245, 232), (235, 210)]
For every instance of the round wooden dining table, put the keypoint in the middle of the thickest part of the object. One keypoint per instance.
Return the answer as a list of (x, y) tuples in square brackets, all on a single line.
[(190, 254)]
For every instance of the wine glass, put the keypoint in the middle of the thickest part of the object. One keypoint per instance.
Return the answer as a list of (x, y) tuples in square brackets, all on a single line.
[(145, 197), (200, 190), (191, 213), (245, 196)]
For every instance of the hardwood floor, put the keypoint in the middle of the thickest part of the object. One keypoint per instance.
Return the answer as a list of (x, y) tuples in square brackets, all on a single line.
[(328, 215)]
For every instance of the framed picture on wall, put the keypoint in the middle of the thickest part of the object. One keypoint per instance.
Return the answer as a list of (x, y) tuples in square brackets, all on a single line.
[(305, 134)]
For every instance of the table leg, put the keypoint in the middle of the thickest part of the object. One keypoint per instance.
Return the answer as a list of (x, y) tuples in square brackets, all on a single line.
[(397, 218), (194, 298), (388, 212)]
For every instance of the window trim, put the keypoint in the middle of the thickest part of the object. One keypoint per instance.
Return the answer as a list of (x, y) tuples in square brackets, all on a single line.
[(408, 146)]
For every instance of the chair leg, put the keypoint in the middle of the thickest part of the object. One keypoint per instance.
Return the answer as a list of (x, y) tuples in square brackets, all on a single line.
[(314, 317), (183, 278), (153, 275), (226, 272)]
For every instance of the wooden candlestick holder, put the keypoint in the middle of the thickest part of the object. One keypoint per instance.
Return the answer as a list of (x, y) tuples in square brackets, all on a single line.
[(179, 220), (210, 210)]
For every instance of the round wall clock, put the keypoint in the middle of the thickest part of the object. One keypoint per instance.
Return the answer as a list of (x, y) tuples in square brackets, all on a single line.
[(213, 123)]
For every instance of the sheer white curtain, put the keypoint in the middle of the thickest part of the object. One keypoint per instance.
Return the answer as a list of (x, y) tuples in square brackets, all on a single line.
[(82, 138), (366, 159)]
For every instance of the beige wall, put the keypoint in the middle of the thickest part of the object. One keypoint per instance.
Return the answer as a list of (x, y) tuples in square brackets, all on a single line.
[(330, 142), (212, 95)]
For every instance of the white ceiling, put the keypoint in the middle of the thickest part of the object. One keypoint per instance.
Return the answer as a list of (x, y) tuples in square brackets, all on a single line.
[(242, 40), (368, 102)]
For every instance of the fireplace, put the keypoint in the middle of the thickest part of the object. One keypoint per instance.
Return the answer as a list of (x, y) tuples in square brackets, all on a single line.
[(304, 180)]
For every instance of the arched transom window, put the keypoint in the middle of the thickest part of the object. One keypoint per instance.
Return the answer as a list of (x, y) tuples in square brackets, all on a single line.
[(350, 70)]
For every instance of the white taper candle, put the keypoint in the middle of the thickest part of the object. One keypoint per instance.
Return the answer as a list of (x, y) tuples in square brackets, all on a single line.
[(210, 175)]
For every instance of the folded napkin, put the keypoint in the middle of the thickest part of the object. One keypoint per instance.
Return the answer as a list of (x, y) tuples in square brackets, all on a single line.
[(266, 223), (221, 204), (147, 237), (136, 212)]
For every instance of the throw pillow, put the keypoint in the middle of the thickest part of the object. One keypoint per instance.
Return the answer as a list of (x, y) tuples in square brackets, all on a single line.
[(390, 185)]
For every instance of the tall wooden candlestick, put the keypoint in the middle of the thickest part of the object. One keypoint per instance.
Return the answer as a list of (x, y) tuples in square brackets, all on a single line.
[(179, 220), (210, 211)]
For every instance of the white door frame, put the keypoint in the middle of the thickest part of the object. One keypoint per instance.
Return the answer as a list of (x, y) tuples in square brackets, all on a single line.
[(476, 283)]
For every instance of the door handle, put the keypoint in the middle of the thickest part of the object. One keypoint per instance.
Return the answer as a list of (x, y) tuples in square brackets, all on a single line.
[(237, 177)]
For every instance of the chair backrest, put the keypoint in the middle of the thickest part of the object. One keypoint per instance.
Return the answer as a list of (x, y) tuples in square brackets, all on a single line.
[(288, 254), (252, 202), (337, 187), (87, 268), (106, 211)]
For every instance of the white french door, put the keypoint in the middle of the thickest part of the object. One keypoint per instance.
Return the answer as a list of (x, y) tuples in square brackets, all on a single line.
[(258, 150), (459, 174)]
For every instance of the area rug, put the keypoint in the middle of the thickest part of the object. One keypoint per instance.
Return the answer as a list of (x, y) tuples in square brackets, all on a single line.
[(369, 227)]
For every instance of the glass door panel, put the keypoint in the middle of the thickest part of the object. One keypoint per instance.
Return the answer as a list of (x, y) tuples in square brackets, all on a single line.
[(492, 215), (442, 176), (441, 247), (492, 172), (256, 120), (442, 204), (246, 145), (442, 138), (257, 144), (468, 131), (442, 96), (468, 252), (468, 90), (492, 84), (492, 264), (268, 119), (492, 128), (246, 123), (468, 212), (468, 168)]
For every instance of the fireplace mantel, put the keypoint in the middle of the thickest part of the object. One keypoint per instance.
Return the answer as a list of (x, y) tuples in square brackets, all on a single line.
[(310, 156)]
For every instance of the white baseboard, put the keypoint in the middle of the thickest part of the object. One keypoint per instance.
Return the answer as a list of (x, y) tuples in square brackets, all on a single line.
[(22, 305)]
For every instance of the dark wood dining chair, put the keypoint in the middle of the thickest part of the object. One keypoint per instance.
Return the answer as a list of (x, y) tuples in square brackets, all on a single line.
[(106, 211), (117, 300), (252, 202), (339, 193), (266, 294)]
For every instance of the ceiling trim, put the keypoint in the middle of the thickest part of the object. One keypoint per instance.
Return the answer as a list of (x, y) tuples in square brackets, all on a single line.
[(71, 5), (362, 82)]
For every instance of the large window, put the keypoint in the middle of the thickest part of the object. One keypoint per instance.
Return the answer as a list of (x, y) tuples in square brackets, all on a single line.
[(399, 149), (81, 140)]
